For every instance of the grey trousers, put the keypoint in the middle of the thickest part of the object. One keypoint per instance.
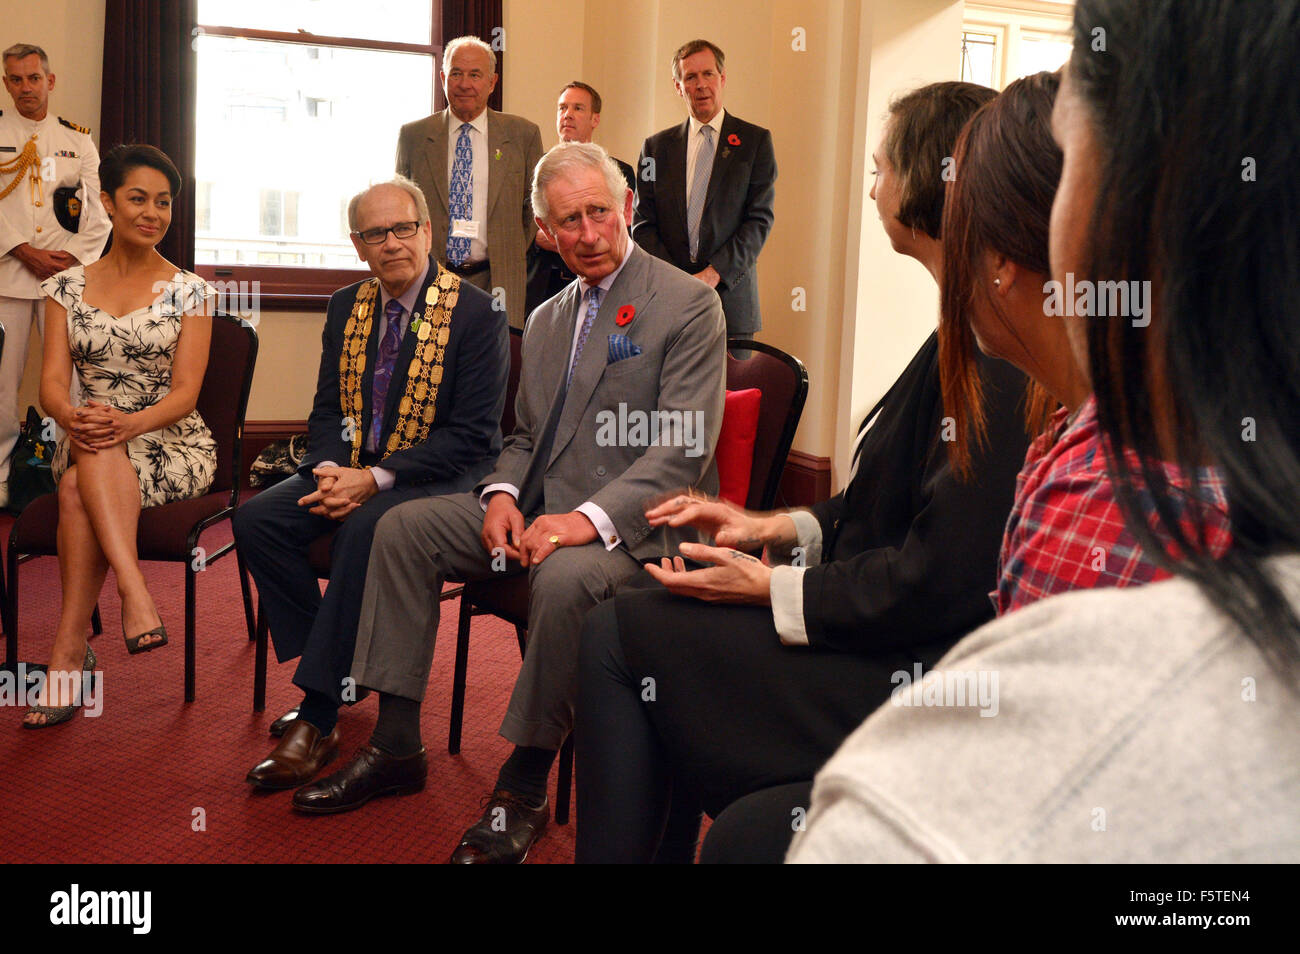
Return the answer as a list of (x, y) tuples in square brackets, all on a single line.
[(419, 544)]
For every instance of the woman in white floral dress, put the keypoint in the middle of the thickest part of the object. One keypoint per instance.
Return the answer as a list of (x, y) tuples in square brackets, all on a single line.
[(136, 329)]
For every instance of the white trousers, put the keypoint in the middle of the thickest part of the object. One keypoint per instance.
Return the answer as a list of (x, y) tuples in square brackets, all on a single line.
[(17, 315)]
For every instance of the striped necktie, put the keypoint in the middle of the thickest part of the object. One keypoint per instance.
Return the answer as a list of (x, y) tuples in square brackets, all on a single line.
[(699, 188)]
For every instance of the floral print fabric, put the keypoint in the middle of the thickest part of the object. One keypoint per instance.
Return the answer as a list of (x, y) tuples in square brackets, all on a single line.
[(127, 362)]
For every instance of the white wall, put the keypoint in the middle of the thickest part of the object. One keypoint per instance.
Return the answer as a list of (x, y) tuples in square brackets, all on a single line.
[(894, 301)]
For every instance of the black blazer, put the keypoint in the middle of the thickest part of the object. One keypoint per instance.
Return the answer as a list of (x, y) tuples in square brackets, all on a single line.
[(737, 214), (910, 552), (466, 426)]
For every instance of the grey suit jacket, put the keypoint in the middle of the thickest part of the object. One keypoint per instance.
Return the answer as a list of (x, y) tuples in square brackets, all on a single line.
[(677, 323), (514, 147)]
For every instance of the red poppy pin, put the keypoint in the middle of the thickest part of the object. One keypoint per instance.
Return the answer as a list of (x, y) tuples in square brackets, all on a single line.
[(733, 139), (625, 316)]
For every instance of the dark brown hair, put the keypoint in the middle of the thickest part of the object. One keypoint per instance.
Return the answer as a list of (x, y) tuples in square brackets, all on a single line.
[(690, 49), (1180, 96), (578, 84), (1007, 169), (120, 160), (923, 125)]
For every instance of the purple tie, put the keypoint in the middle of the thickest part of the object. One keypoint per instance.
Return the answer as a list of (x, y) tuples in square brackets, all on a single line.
[(384, 365)]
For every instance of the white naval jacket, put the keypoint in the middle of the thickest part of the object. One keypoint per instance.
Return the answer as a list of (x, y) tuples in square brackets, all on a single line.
[(76, 163)]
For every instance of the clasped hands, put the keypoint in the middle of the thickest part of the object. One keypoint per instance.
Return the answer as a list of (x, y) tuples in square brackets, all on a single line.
[(94, 427), (339, 491), (503, 529), (735, 576), (709, 275), (43, 262)]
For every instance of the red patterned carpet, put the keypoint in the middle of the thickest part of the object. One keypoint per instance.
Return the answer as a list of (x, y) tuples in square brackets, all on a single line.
[(153, 779)]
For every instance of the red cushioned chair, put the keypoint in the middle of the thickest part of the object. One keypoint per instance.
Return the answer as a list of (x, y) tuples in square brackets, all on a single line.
[(734, 452), (318, 554), (170, 532), (783, 381)]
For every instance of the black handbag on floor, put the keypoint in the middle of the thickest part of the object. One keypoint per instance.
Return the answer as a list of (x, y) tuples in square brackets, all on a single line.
[(30, 475)]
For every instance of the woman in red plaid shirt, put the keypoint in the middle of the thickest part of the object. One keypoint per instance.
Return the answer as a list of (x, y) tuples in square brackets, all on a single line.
[(1065, 531)]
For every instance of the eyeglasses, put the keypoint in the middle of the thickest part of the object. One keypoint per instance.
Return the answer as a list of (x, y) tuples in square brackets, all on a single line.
[(401, 230)]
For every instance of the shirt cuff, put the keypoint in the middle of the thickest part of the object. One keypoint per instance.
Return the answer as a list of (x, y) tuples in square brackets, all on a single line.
[(384, 478), (786, 592), (490, 489), (808, 533), (604, 526)]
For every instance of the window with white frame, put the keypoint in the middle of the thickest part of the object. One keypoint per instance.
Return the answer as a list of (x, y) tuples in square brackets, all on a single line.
[(299, 104), (1003, 40)]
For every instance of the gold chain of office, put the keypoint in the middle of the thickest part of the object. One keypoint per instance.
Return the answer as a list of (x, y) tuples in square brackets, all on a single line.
[(415, 413), (26, 161)]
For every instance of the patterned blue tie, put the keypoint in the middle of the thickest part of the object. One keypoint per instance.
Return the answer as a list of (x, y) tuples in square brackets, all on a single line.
[(384, 365), (699, 188), (462, 195), (593, 306)]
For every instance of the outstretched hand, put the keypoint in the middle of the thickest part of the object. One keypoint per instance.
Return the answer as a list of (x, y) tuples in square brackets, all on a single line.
[(726, 524), (734, 577)]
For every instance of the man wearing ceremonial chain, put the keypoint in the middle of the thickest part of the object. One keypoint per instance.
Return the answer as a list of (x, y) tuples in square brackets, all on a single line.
[(408, 405)]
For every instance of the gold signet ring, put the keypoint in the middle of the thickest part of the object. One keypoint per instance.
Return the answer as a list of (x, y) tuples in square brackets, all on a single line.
[(555, 539)]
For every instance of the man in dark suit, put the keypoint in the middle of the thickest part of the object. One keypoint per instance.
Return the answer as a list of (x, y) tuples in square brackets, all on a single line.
[(475, 166), (634, 339), (704, 197), (576, 117), (408, 406)]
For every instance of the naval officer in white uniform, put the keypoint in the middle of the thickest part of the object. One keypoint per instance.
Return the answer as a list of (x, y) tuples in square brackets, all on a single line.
[(50, 216)]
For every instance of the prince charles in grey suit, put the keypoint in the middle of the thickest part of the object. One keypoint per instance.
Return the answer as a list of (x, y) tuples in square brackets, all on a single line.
[(620, 400)]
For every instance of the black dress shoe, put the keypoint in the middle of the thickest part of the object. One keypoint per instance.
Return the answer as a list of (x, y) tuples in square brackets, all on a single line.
[(504, 834), (296, 760), (370, 773), (282, 723)]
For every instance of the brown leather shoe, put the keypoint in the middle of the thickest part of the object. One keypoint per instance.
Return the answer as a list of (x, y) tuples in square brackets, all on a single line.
[(282, 723), (504, 834), (296, 760), (370, 773)]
